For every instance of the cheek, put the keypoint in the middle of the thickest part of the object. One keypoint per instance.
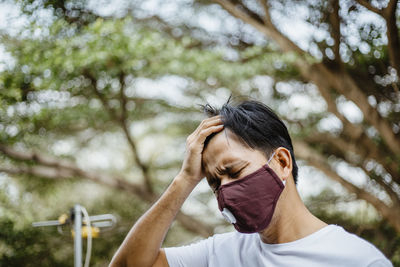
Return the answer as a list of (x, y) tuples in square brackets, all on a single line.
[(282, 172), (250, 169), (277, 169)]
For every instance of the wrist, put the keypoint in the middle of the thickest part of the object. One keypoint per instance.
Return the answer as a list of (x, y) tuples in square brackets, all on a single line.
[(186, 180)]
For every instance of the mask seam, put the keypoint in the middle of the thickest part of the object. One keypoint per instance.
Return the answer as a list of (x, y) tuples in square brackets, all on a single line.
[(251, 175)]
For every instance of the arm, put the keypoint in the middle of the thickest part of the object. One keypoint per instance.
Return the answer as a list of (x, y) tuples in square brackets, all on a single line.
[(142, 245)]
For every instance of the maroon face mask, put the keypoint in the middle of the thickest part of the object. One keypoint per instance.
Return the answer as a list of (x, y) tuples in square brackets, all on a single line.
[(249, 203)]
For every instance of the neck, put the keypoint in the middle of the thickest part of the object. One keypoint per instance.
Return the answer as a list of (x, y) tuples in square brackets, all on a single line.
[(292, 220)]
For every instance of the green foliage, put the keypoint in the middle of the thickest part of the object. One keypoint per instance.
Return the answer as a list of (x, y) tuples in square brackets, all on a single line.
[(27, 246), (71, 84)]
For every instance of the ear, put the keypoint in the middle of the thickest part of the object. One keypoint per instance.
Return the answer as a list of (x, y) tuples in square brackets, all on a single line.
[(283, 163)]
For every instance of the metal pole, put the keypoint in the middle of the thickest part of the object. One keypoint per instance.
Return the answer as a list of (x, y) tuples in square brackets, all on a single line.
[(97, 221), (78, 236)]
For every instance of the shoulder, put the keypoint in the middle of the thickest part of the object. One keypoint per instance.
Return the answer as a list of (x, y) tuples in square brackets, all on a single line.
[(354, 245), (343, 236), (381, 263)]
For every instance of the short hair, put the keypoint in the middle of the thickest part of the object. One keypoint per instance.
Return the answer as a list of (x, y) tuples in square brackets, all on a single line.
[(256, 125)]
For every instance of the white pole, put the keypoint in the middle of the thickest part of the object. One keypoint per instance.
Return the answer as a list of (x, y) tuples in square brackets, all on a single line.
[(78, 236), (102, 220)]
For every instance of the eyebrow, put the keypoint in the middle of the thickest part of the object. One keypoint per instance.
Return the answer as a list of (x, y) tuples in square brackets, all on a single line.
[(213, 180), (228, 167)]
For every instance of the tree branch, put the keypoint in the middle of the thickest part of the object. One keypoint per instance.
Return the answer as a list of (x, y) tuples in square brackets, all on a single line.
[(100, 96), (269, 30), (391, 7), (326, 78), (338, 80), (124, 124), (335, 30), (340, 148), (267, 17), (122, 120), (363, 147), (392, 33), (313, 158), (346, 86), (350, 90), (40, 171), (369, 6), (67, 169), (53, 168), (354, 132), (240, 5)]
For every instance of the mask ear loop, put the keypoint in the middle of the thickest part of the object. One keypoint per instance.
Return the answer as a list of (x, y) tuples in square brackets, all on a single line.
[(270, 158)]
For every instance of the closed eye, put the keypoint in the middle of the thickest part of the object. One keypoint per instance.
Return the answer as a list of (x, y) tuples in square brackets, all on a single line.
[(233, 171), (216, 183), (235, 174)]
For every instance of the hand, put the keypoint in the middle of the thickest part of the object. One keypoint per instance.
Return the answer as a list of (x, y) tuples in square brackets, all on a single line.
[(191, 168)]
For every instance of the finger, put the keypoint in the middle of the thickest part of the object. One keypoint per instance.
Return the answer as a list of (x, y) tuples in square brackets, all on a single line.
[(207, 123), (208, 131), (212, 118), (214, 121), (210, 122)]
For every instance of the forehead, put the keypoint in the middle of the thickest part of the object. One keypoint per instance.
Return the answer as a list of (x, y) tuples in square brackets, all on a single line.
[(223, 148)]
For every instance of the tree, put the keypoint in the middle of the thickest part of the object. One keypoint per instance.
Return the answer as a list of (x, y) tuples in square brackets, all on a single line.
[(342, 70), (76, 83), (77, 80)]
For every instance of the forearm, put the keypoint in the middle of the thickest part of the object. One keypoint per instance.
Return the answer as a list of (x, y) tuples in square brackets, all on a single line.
[(141, 246), (143, 242)]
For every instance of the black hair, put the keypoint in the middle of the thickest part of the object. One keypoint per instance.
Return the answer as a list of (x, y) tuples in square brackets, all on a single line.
[(256, 125)]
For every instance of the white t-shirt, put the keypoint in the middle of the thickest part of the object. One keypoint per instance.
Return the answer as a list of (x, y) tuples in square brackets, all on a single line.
[(330, 246)]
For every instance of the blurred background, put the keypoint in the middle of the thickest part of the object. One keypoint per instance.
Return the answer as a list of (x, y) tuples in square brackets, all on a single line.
[(98, 97)]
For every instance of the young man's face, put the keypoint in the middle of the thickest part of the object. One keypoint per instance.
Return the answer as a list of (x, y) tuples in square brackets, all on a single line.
[(226, 159), (252, 204)]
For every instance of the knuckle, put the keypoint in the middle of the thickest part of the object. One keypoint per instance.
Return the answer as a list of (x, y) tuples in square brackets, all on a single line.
[(190, 147), (204, 132), (206, 124), (190, 138), (207, 121)]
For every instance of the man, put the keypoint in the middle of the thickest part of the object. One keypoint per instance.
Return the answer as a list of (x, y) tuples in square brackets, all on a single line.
[(246, 154)]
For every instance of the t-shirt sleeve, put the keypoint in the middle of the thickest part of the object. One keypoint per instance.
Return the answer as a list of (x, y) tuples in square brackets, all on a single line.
[(381, 263), (193, 255)]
